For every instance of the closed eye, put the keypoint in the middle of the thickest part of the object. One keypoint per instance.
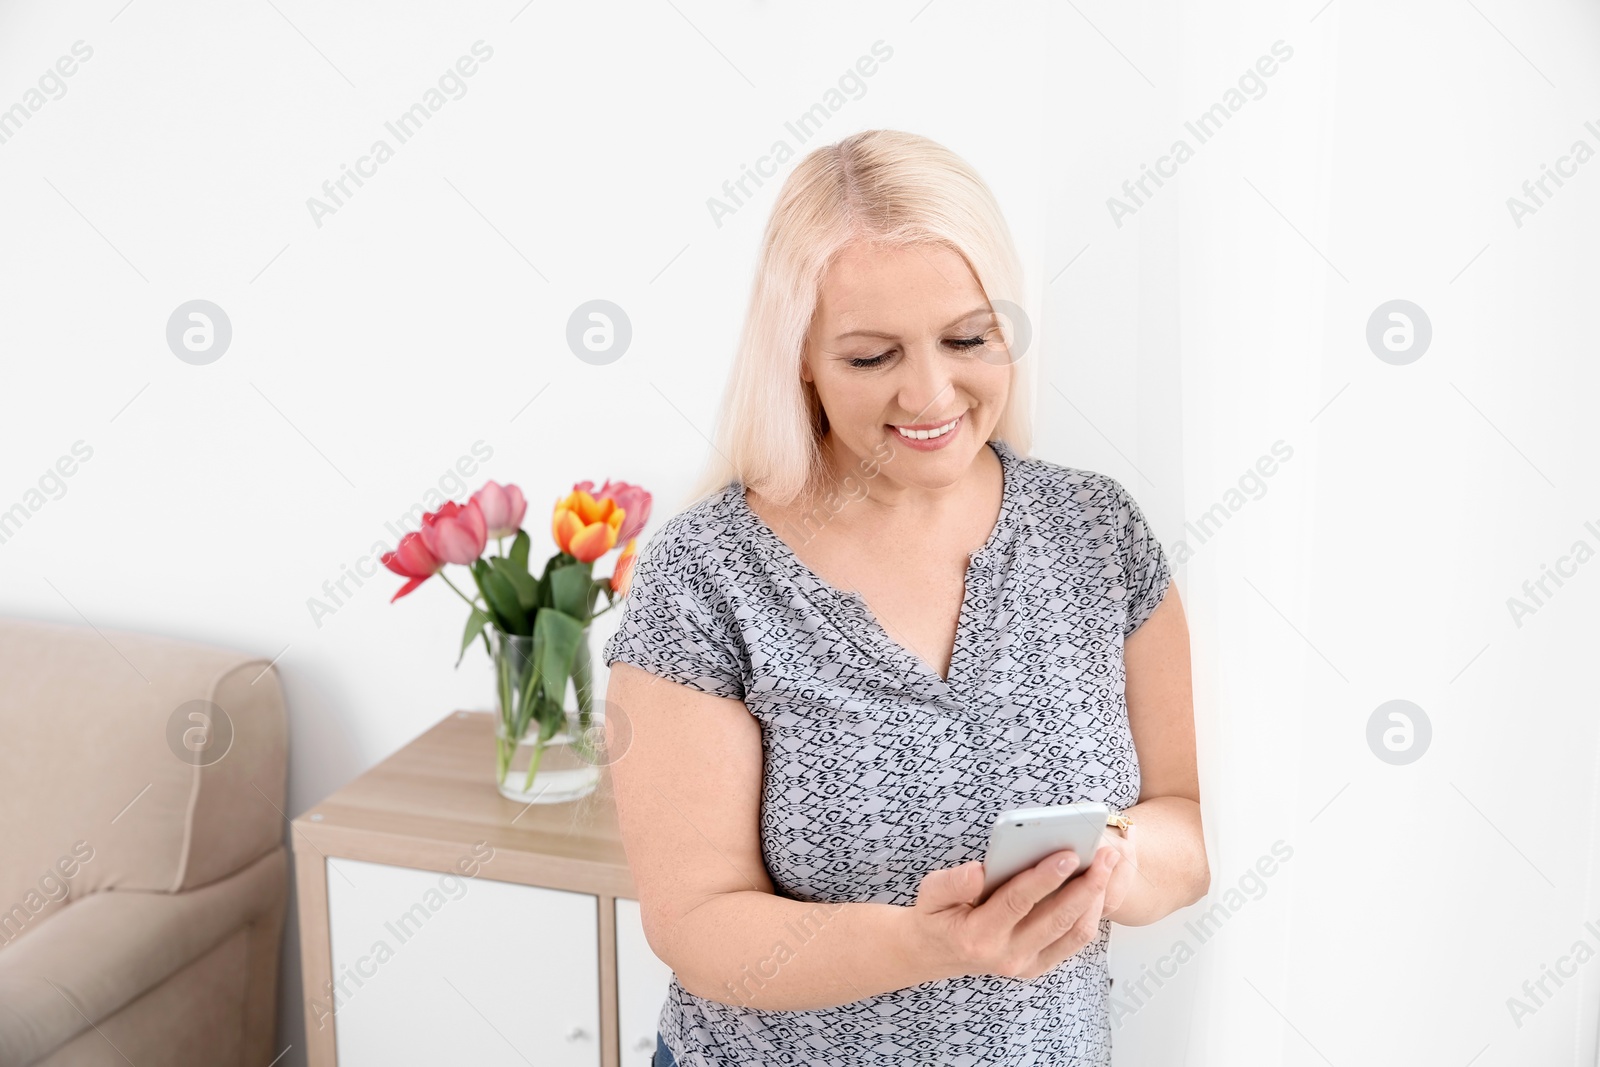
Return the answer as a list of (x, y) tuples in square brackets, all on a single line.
[(958, 343)]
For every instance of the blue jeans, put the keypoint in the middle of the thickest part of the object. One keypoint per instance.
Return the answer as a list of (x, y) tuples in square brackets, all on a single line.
[(663, 1055)]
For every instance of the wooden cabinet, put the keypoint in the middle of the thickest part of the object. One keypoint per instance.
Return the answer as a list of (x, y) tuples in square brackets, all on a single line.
[(442, 923)]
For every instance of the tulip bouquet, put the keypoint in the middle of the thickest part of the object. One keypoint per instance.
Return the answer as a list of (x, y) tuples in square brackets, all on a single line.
[(540, 622)]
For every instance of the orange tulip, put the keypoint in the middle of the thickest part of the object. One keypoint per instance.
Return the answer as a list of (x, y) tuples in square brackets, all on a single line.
[(622, 574), (586, 528)]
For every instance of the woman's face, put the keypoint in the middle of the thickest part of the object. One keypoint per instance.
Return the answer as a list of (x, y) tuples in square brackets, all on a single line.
[(904, 339)]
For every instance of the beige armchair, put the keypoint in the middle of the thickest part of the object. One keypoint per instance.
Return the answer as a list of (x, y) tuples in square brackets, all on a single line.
[(142, 879)]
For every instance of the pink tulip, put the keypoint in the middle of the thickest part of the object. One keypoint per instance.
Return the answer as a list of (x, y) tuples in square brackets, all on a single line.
[(632, 499), (455, 534), (411, 559), (503, 507)]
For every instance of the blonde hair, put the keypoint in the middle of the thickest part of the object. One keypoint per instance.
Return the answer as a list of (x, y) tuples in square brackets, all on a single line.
[(885, 186)]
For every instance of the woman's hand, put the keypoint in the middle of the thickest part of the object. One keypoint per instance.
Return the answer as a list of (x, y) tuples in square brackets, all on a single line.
[(1123, 878), (1027, 927)]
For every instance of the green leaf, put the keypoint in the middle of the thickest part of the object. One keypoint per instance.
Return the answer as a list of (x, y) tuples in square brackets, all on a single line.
[(558, 636), (528, 689), (519, 550), (533, 697), (569, 590), (475, 624), (583, 680), (552, 718), (502, 598), (527, 589), (543, 600)]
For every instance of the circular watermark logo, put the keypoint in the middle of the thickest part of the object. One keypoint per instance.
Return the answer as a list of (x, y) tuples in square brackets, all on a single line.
[(598, 332), (607, 738), (1016, 334), (1399, 732), (199, 332), (1398, 332), (199, 733)]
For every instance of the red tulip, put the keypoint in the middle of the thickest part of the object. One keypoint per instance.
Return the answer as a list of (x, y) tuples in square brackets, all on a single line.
[(622, 574), (503, 507), (632, 499), (411, 560), (455, 534)]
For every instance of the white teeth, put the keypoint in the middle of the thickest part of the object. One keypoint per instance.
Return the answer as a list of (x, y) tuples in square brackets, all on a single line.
[(924, 435)]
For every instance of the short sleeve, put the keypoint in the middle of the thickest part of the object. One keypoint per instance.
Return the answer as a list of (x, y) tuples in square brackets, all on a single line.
[(1144, 562), (676, 623)]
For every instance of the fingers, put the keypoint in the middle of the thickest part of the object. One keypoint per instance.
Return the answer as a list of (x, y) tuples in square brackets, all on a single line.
[(1069, 944), (1070, 920), (1037, 918), (1017, 897)]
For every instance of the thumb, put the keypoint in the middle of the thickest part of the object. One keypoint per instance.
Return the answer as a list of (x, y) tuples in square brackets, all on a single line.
[(951, 885), (966, 881)]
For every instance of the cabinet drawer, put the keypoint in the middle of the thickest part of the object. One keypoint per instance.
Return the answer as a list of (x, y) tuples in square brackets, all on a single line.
[(430, 967), (642, 981)]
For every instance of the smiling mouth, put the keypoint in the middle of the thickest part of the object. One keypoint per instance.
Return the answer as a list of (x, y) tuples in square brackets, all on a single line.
[(928, 433)]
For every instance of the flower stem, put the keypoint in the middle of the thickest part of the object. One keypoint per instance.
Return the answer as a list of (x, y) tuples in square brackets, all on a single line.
[(533, 766), (507, 745), (459, 593)]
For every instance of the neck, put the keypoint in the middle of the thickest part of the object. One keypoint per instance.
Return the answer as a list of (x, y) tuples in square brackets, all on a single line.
[(871, 480)]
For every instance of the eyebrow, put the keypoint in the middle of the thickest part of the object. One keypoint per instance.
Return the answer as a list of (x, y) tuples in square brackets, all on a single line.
[(946, 326)]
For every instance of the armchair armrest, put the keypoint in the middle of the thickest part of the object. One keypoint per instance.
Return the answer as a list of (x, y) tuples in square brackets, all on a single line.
[(90, 959)]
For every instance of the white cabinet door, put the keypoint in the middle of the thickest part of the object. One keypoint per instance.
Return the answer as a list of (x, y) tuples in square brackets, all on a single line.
[(437, 968), (642, 982)]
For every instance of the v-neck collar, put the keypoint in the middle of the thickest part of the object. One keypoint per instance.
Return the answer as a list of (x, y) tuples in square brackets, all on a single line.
[(879, 641)]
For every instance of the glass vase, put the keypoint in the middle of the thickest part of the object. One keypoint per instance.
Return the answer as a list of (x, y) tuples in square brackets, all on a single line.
[(544, 754)]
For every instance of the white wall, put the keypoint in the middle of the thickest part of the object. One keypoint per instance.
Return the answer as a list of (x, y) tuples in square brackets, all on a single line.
[(371, 352), (1377, 563), (428, 313)]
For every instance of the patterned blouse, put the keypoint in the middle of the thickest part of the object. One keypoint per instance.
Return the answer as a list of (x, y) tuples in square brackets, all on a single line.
[(877, 771)]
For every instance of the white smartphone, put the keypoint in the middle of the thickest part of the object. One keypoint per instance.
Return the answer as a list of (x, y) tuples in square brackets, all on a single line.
[(1022, 837)]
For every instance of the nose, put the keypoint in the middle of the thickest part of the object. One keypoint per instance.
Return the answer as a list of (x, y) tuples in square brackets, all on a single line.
[(925, 386)]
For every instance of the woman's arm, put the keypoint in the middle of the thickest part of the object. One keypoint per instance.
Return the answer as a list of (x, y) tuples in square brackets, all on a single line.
[(1169, 869), (688, 796)]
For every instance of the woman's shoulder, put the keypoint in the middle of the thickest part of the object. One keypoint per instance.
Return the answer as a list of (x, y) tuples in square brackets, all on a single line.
[(1062, 495), (699, 535), (713, 511)]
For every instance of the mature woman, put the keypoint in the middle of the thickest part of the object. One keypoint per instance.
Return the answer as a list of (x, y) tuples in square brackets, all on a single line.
[(880, 624)]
